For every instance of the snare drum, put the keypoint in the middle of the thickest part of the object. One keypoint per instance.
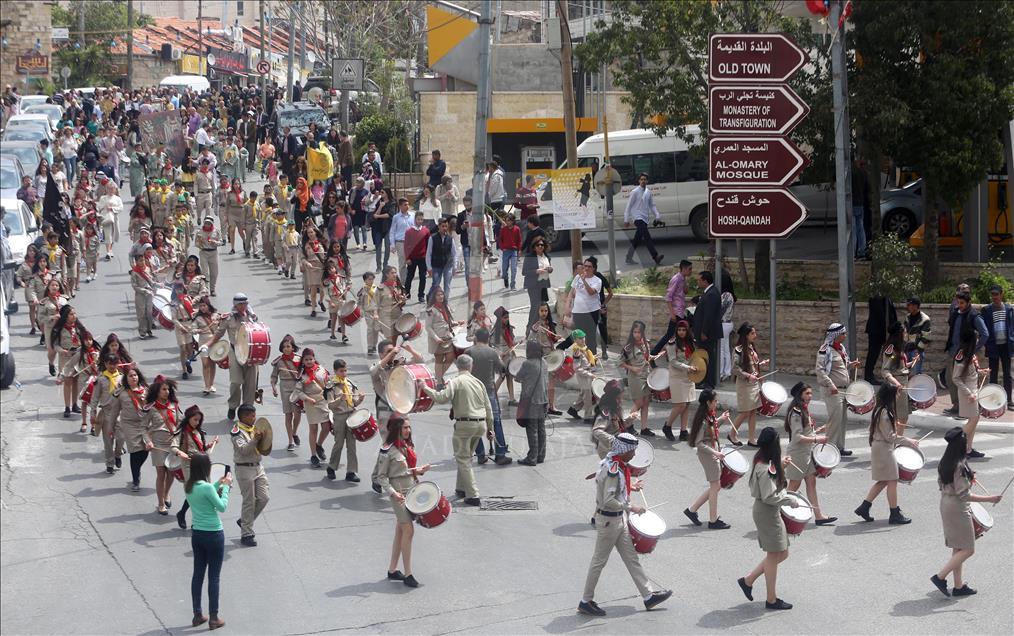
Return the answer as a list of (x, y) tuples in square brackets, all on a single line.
[(992, 401), (644, 455), (461, 343), (161, 307), (772, 396), (645, 531), (598, 388), (982, 521), (554, 360), (253, 343), (514, 366), (860, 397), (826, 458), (796, 518), (658, 383), (428, 504), (174, 464), (405, 388), (219, 354), (408, 326), (566, 370), (734, 466), (350, 312), (363, 425), (910, 462), (89, 390), (922, 391)]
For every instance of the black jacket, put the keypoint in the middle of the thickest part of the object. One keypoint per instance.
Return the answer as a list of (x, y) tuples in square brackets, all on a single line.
[(708, 316)]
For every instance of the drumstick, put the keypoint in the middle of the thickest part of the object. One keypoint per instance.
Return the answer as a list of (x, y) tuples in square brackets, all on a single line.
[(981, 487), (1005, 488), (767, 374), (657, 505), (644, 499), (925, 436)]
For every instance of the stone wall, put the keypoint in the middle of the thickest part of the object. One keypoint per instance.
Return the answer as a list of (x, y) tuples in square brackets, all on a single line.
[(23, 22)]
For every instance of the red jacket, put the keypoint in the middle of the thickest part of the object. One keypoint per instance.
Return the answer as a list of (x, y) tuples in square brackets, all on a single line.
[(510, 238), (416, 239)]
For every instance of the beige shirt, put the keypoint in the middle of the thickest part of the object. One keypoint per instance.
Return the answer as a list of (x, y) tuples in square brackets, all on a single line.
[(467, 396), (232, 324)]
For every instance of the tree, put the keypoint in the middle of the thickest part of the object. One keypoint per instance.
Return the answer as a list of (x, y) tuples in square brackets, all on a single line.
[(658, 51), (103, 21), (934, 86)]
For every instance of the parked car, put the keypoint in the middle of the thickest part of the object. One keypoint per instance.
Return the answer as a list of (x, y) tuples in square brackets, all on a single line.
[(52, 111), (32, 100), (197, 83), (21, 225), (7, 267), (31, 121), (27, 152), (11, 172), (7, 367), (901, 209), (298, 116)]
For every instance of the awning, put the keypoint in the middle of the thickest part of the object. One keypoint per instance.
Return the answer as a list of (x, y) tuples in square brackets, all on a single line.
[(540, 125)]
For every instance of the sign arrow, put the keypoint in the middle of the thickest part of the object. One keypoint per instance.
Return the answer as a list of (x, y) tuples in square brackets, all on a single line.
[(753, 161), (759, 213), (753, 57), (756, 110)]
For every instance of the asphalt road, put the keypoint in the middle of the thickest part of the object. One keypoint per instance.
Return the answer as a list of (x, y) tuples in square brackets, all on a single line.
[(82, 554)]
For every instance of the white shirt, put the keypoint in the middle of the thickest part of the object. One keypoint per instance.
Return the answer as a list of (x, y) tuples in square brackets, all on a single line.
[(380, 160), (202, 137), (639, 205), (585, 303)]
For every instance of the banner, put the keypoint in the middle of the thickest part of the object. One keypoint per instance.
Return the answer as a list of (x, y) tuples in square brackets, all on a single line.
[(163, 127), (319, 166), (572, 190)]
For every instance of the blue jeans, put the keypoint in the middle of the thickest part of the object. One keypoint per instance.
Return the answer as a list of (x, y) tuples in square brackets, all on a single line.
[(380, 238), (510, 263), (501, 441), (860, 230), (917, 367), (70, 167), (466, 252), (209, 550), (442, 276)]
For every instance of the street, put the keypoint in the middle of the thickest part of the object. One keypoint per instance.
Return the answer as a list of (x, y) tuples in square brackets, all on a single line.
[(82, 554)]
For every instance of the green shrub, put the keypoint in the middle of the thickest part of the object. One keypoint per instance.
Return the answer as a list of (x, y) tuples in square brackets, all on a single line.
[(988, 277), (894, 270)]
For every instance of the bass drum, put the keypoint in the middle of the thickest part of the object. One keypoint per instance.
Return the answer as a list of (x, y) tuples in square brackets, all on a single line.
[(405, 388), (161, 307), (253, 344)]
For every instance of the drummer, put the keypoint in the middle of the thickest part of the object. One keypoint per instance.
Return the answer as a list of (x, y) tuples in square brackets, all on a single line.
[(83, 361), (767, 486), (347, 397), (609, 420), (193, 441), (832, 369), (250, 475), (284, 374), (704, 436), (635, 359), (884, 467), (335, 290), (746, 367), (144, 291), (802, 438), (379, 375), (311, 386), (966, 376), (895, 367), (203, 326), (183, 316), (367, 298), (397, 472), (440, 326), (479, 319), (585, 367), (160, 431), (544, 332), (955, 479), (390, 302), (677, 350), (242, 377), (503, 340), (612, 503)]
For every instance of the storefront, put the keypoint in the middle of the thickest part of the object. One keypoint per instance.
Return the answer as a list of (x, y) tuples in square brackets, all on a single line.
[(228, 67)]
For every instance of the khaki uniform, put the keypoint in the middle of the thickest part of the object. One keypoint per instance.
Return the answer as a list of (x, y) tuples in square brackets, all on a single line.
[(75, 247), (747, 391), (367, 298), (474, 415), (203, 185), (57, 259), (883, 465), (49, 313), (392, 474), (90, 247), (343, 405), (308, 389), (832, 373), (313, 264), (253, 481), (612, 502), (207, 243), (604, 431), (955, 513), (767, 514), (235, 212), (103, 417), (128, 413), (965, 378), (705, 440), (161, 429), (637, 380), (197, 286), (249, 223), (894, 366), (144, 293), (388, 309), (291, 252), (681, 388), (284, 375), (439, 335), (584, 371), (242, 377), (800, 423)]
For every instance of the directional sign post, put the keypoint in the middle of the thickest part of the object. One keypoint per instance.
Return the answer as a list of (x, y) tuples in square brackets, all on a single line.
[(347, 74), (758, 110), (753, 57), (754, 213), (754, 161)]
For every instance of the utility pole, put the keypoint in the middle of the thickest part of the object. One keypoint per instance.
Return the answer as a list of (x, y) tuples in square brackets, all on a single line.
[(81, 22), (302, 44), (610, 206), (477, 224), (201, 68), (292, 53), (843, 180), (569, 122), (264, 78), (130, 45)]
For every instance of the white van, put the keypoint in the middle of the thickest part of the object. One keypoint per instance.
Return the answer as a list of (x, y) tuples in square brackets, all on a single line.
[(196, 83)]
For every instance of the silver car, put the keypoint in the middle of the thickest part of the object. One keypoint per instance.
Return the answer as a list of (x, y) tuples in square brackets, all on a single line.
[(901, 209)]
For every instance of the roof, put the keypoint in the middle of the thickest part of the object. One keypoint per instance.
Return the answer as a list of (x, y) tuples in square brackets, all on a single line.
[(183, 34), (638, 133)]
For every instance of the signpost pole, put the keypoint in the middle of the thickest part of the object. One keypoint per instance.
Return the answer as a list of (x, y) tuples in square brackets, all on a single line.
[(773, 284), (477, 222), (610, 220)]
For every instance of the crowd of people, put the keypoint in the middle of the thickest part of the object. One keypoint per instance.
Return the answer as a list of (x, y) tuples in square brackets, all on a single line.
[(182, 216)]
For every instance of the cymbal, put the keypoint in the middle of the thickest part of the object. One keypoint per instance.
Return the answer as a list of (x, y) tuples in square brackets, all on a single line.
[(265, 443), (699, 359)]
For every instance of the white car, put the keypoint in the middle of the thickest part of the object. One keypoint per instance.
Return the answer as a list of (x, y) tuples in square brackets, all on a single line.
[(52, 111), (31, 100), (37, 123), (21, 225), (6, 357)]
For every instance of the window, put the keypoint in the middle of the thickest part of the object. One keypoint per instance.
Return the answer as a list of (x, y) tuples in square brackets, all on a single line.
[(239, 7), (690, 167), (660, 167)]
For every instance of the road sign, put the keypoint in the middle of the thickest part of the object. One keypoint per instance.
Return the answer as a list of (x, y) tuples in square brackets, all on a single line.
[(311, 57), (757, 110), (754, 213), (753, 161), (347, 74), (600, 180), (753, 57), (61, 33), (263, 67), (65, 72), (211, 59)]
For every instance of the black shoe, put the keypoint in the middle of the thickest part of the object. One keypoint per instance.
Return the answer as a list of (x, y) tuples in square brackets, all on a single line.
[(747, 589), (845, 453), (941, 584), (526, 462), (395, 576), (232, 251), (734, 443), (826, 521), (181, 520), (657, 598), (502, 460), (589, 420), (571, 411), (52, 369), (231, 414), (354, 478), (964, 590), (481, 459), (321, 455), (658, 259), (110, 470), (590, 609), (185, 376), (974, 454), (667, 431), (647, 432), (314, 461), (66, 411), (718, 525), (32, 332), (779, 604), (306, 301), (376, 488), (472, 501), (751, 444), (684, 436), (331, 475), (249, 542), (864, 510), (313, 313), (692, 516), (410, 581), (190, 368), (75, 408), (460, 493), (295, 438), (321, 305), (117, 462), (897, 518), (630, 261), (554, 412)]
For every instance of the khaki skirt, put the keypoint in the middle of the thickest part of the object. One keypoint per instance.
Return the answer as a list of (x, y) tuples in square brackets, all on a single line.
[(771, 534), (747, 395), (959, 534)]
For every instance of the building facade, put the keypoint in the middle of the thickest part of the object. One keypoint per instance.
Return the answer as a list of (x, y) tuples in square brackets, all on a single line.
[(27, 29)]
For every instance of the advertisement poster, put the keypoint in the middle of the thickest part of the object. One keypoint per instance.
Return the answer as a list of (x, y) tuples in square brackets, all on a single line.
[(163, 127), (572, 193)]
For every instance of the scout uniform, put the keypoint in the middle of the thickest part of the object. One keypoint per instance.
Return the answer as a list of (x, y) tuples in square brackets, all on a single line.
[(367, 298), (389, 308), (832, 373), (681, 388), (284, 375), (966, 378), (474, 416), (242, 377), (334, 291), (127, 410), (883, 465), (203, 184), (67, 344), (249, 223), (144, 293), (272, 232), (747, 390), (894, 365), (393, 475), (440, 336), (637, 356), (90, 246), (585, 367), (768, 500), (234, 209), (343, 405), (103, 416), (282, 193), (959, 533), (196, 285), (604, 431), (183, 317), (312, 386), (73, 257), (313, 264), (207, 242), (160, 425), (800, 423), (706, 440), (57, 259), (253, 481)]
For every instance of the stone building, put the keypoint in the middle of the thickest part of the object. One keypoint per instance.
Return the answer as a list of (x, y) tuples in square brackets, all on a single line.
[(27, 29)]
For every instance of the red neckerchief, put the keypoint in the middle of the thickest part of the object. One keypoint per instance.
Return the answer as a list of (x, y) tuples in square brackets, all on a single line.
[(169, 414), (91, 358), (314, 245), (74, 340), (713, 423), (549, 332), (239, 195), (390, 283), (508, 335), (136, 395), (141, 270), (626, 475), (754, 358), (446, 313), (197, 436), (407, 451), (288, 357), (311, 374), (55, 297), (644, 349), (841, 351)]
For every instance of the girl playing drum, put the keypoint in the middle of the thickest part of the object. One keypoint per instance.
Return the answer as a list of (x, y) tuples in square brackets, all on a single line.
[(678, 351), (161, 427), (502, 339), (183, 315), (284, 374), (544, 332), (335, 288), (966, 376), (439, 326), (313, 380), (635, 359), (397, 471), (705, 438), (83, 362), (203, 326), (884, 467), (802, 438), (746, 365), (192, 442), (390, 301), (609, 422), (895, 367)]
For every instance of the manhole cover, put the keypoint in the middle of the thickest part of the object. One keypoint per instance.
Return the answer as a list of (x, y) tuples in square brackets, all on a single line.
[(508, 504)]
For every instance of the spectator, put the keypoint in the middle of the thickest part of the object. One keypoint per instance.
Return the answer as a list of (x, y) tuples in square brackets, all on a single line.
[(435, 171), (676, 297), (584, 292), (27, 192), (47, 152), (533, 231), (380, 225), (440, 255), (536, 270), (917, 333), (375, 159), (707, 324), (526, 199), (462, 229), (605, 296), (401, 223), (999, 319), (963, 317), (495, 193), (207, 538), (860, 201), (416, 241), (640, 206), (429, 206), (447, 194), (358, 200), (345, 162), (882, 315), (510, 243)]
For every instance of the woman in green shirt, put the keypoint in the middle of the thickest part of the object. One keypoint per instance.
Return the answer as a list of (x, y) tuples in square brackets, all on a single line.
[(208, 539)]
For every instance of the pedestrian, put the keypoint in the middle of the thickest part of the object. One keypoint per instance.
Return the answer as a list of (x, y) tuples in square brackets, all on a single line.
[(447, 195), (207, 538), (676, 297), (345, 401), (536, 269), (242, 377), (584, 293), (803, 438), (412, 250), (678, 351), (860, 203), (401, 223), (832, 370), (918, 329), (488, 366), (883, 466), (435, 170), (397, 471), (310, 396), (707, 325), (636, 360), (473, 415), (383, 209), (496, 195), (253, 481), (705, 437), (526, 200), (998, 317), (510, 244), (613, 486), (962, 317), (533, 403), (767, 486), (440, 257), (640, 206), (345, 163), (427, 203)]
